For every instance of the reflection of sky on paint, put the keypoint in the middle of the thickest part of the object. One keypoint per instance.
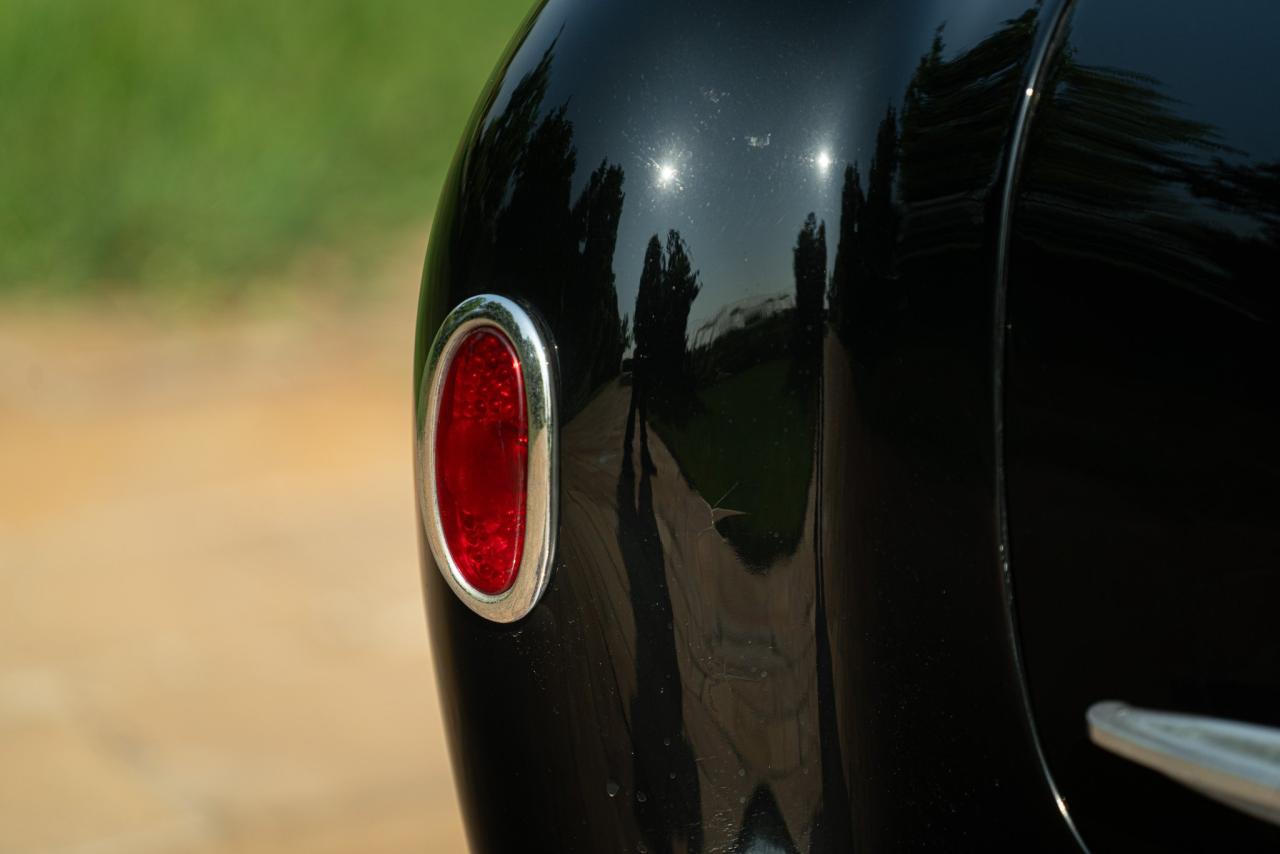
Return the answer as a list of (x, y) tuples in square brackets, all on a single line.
[(1211, 64), (1213, 68), (1217, 63), (724, 150), (733, 131)]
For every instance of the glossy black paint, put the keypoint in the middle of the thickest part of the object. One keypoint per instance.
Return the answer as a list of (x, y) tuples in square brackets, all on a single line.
[(771, 246), (767, 235), (1143, 414)]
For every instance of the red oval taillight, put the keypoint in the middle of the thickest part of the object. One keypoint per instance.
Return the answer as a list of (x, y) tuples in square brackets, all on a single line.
[(481, 460), (487, 455)]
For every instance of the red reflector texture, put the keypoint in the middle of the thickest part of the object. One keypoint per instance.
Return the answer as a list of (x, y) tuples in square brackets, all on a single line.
[(482, 457)]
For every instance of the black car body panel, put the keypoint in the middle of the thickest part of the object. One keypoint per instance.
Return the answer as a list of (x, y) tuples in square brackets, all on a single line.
[(783, 252), (1142, 406)]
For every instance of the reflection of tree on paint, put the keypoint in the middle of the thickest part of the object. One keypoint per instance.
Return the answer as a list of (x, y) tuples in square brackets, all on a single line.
[(1109, 146), (809, 262), (520, 231), (930, 179), (660, 368), (665, 774), (904, 275), (1104, 216), (1251, 191), (879, 223), (591, 310), (864, 266), (762, 358), (848, 268), (680, 287)]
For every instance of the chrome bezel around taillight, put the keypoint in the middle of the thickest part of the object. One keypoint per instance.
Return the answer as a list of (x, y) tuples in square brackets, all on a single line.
[(538, 368)]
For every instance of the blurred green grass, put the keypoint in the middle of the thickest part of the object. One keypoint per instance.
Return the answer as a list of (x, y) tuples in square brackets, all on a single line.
[(160, 145)]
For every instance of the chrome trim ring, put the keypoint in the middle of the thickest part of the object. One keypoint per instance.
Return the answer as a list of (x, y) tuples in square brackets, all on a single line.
[(541, 480)]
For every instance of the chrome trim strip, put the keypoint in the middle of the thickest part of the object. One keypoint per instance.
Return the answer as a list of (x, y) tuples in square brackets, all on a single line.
[(542, 481), (1051, 33), (1235, 763)]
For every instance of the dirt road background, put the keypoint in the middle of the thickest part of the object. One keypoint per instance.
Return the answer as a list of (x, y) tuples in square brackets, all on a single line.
[(211, 636)]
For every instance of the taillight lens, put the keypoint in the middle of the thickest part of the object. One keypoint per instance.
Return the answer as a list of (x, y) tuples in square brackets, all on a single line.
[(487, 455), (482, 460)]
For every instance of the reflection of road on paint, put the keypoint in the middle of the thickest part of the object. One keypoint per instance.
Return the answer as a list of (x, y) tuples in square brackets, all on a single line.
[(740, 646), (211, 633)]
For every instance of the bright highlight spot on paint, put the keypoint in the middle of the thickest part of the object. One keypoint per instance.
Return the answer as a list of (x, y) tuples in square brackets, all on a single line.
[(666, 174), (823, 160)]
